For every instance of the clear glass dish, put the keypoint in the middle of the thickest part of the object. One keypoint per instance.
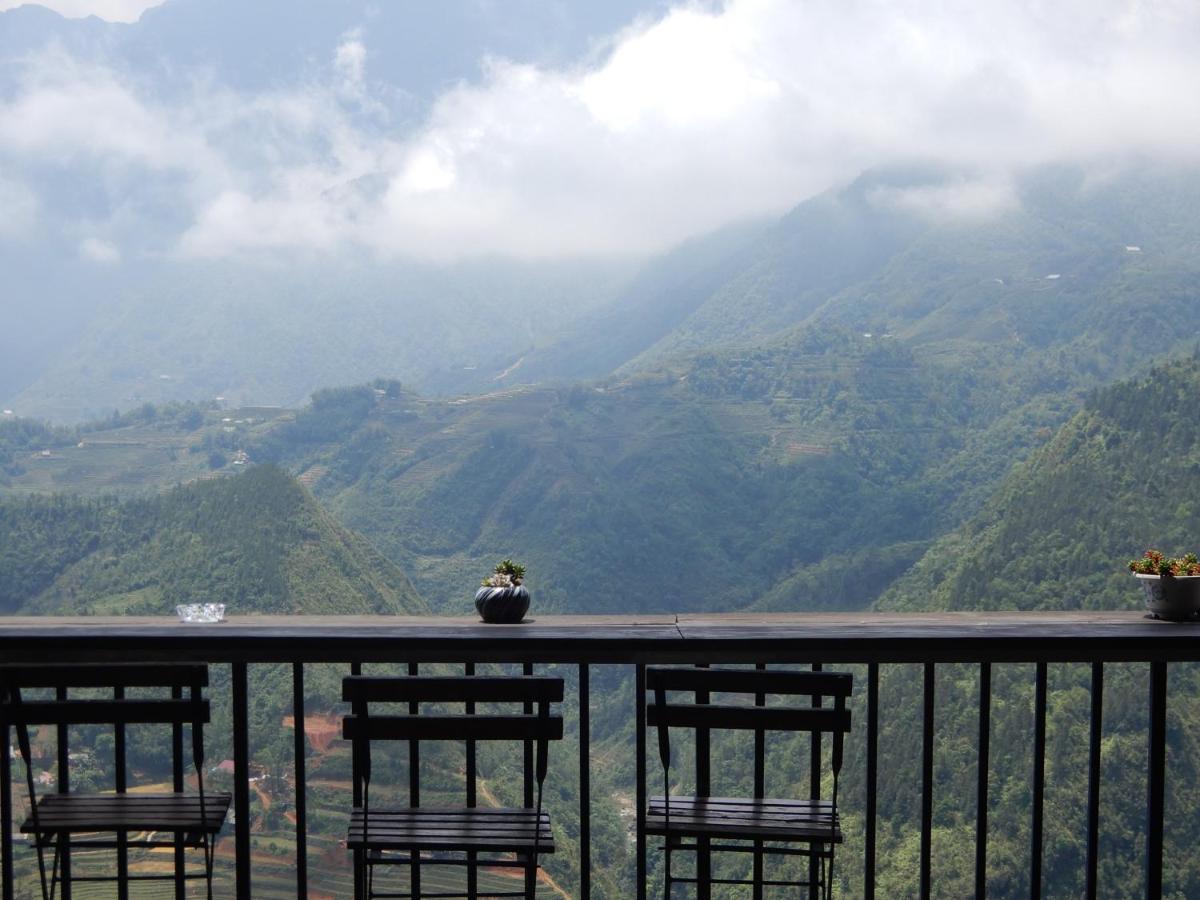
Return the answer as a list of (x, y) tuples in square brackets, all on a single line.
[(201, 612)]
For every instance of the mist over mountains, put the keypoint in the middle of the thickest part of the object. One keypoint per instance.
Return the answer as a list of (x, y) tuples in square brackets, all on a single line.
[(470, 194)]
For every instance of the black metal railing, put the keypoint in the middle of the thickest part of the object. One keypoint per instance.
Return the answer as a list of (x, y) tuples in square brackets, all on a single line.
[(873, 642)]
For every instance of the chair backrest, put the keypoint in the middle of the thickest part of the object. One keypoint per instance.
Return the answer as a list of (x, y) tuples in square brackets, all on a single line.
[(664, 712), (185, 705), (364, 725)]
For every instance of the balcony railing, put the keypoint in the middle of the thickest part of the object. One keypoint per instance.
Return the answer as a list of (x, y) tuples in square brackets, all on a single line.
[(870, 640)]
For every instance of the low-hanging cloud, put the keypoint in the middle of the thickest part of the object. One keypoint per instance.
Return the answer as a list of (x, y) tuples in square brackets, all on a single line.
[(109, 10), (686, 123)]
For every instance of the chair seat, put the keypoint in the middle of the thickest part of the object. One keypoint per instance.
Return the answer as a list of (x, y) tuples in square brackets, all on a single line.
[(809, 821), (180, 813), (451, 828)]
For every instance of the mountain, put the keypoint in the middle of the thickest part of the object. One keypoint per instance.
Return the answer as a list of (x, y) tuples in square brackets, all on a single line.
[(1115, 480), (266, 334), (257, 542), (1061, 255), (780, 466), (1057, 270)]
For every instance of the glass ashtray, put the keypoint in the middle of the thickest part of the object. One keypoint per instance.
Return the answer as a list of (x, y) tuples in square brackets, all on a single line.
[(201, 612)]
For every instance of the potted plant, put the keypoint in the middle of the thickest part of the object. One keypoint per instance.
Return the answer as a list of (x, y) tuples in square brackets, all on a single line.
[(1170, 585), (503, 597)]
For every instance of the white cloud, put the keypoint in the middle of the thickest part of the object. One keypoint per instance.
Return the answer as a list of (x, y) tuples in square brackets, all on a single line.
[(350, 61), (702, 117), (110, 10), (99, 251), (957, 198)]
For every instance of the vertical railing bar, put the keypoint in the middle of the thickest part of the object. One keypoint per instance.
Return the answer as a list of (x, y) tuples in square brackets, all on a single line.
[(527, 669), (585, 783), (703, 789), (1039, 783), (177, 786), (64, 786), (472, 793), (120, 766), (872, 780), (1093, 809), (414, 788), (1156, 783), (640, 789), (300, 748), (981, 776), (7, 888), (357, 799), (814, 779), (241, 780), (760, 788), (927, 781)]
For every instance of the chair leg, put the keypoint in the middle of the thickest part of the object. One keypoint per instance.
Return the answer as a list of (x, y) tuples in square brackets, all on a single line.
[(210, 851), (666, 867), (58, 839), (531, 877), (41, 858)]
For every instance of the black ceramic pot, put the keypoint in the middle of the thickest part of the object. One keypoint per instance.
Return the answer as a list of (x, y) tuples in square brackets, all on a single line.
[(500, 605)]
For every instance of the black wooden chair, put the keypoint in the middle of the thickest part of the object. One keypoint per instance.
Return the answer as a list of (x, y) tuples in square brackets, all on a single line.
[(191, 820), (420, 836), (808, 827)]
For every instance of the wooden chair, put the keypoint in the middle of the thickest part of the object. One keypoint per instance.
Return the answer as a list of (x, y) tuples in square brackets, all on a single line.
[(377, 835), (794, 827), (192, 820)]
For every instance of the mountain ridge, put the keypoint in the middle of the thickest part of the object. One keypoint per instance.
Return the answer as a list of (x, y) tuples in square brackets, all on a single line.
[(256, 541)]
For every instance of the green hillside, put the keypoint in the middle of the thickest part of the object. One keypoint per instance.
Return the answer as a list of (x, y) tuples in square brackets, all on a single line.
[(1068, 256), (257, 542), (1118, 478), (1114, 480), (738, 470)]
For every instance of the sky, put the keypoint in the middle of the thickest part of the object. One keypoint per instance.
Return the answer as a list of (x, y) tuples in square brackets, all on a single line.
[(680, 123)]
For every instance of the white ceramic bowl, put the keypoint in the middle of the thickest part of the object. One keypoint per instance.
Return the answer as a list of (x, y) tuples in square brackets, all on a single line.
[(201, 612)]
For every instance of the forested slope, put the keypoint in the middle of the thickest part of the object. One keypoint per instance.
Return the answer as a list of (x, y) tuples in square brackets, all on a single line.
[(257, 542), (1121, 476), (1117, 478)]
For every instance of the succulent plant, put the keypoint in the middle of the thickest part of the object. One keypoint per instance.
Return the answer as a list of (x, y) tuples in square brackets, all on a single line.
[(506, 574), (1153, 562)]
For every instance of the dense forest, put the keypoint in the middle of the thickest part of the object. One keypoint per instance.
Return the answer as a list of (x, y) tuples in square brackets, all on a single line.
[(1120, 459)]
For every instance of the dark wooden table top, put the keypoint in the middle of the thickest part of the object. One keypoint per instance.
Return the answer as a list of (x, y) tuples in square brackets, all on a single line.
[(742, 637)]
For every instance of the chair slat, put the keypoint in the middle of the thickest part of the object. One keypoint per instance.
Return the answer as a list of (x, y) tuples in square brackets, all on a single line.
[(738, 681), (460, 829), (718, 716), (816, 822), (106, 676), (107, 712), (452, 689), (453, 728), (129, 812)]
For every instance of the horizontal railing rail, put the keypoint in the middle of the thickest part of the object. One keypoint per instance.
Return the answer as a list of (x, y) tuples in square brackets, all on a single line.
[(870, 640)]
